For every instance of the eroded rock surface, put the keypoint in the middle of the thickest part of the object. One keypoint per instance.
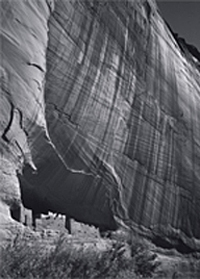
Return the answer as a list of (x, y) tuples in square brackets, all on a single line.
[(24, 37), (103, 113)]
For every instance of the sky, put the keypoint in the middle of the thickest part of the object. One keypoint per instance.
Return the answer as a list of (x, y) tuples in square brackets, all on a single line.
[(184, 18)]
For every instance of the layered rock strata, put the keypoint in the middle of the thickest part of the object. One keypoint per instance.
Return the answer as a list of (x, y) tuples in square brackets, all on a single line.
[(101, 115)]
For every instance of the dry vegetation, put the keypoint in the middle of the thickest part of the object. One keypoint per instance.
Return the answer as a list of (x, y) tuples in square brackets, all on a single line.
[(28, 258)]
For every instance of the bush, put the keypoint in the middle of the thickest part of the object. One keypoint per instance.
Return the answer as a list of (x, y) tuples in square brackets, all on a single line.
[(27, 258), (145, 263)]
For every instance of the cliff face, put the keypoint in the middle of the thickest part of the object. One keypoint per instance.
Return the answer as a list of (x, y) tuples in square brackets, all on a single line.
[(22, 109), (113, 138)]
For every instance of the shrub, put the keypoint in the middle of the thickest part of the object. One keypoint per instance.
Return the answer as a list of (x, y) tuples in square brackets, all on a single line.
[(145, 263), (28, 258)]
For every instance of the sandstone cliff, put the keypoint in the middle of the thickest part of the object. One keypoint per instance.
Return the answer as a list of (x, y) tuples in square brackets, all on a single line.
[(100, 117)]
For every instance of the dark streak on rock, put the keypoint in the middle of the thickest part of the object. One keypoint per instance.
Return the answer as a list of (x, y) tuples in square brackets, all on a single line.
[(9, 124), (36, 65)]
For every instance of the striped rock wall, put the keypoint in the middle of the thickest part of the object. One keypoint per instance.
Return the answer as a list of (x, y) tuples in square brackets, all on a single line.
[(119, 143)]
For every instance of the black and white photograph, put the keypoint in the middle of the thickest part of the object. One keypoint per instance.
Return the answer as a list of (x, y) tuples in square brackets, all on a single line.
[(99, 139)]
